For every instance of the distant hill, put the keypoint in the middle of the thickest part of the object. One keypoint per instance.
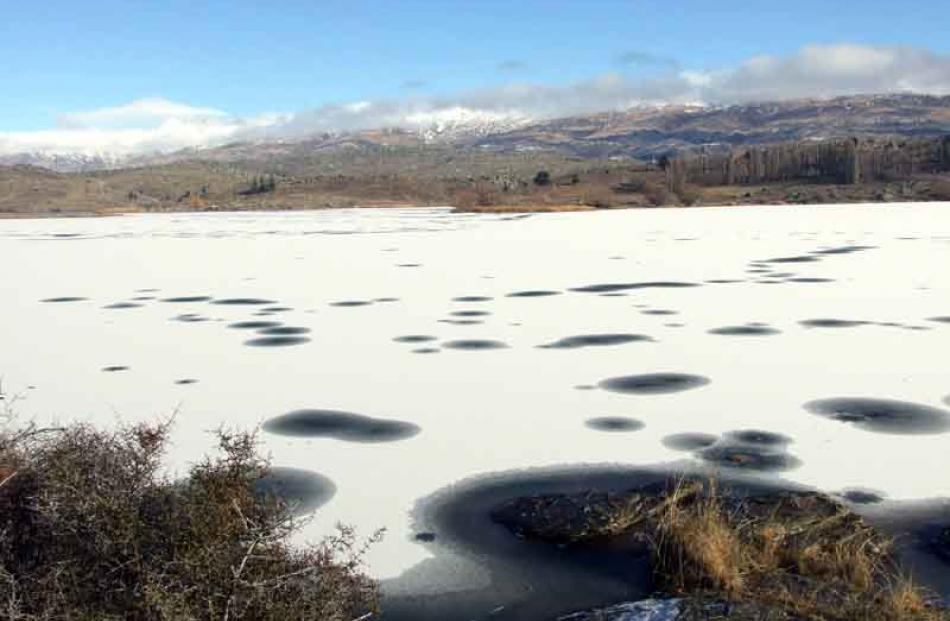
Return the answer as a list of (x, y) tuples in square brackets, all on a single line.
[(644, 133), (875, 148), (651, 132)]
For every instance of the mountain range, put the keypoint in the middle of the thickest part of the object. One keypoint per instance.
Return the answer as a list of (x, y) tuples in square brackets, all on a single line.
[(639, 132)]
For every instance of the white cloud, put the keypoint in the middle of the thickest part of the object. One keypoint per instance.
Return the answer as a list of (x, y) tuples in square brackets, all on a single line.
[(139, 114), (140, 126), (149, 125), (831, 70)]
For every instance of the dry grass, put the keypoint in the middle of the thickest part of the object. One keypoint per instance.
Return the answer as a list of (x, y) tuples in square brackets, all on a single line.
[(817, 561), (89, 529), (696, 547)]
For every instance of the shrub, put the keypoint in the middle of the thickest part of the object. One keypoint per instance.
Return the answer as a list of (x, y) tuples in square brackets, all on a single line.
[(90, 529), (600, 197), (542, 178), (940, 190)]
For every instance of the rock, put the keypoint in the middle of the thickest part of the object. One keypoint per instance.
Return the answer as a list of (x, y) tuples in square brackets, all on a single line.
[(645, 610)]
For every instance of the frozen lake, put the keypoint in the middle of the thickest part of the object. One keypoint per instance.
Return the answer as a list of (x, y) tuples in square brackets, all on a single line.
[(791, 320)]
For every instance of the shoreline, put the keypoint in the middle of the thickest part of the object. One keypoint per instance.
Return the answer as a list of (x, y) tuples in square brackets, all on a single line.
[(488, 209)]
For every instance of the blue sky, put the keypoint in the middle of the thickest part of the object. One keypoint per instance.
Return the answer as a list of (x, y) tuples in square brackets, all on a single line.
[(248, 58)]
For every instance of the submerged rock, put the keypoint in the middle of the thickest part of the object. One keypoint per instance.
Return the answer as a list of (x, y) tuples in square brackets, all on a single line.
[(645, 610)]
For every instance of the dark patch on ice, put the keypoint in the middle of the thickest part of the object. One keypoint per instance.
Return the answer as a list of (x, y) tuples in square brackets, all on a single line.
[(188, 299), (748, 457), (351, 303), (122, 305), (810, 279), (339, 425), (409, 265), (474, 344), (115, 368), (630, 286), (277, 341), (284, 331), (844, 250), (424, 537), (585, 387), (186, 381), (426, 350), (190, 318), (254, 325), (385, 300), (883, 415), (662, 312), (595, 340), (941, 319), (462, 322), (533, 293), (614, 423), (472, 298), (242, 301), (833, 323), (724, 281), (277, 309), (64, 299), (796, 259), (746, 330), (415, 338), (303, 491), (653, 383), (689, 441), (470, 313), (757, 437), (143, 298)]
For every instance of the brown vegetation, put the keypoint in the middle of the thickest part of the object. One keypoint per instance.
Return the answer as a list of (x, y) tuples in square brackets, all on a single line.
[(89, 529), (834, 171), (778, 556)]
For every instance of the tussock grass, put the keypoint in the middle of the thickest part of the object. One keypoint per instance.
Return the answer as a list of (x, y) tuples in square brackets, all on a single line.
[(90, 529), (802, 554)]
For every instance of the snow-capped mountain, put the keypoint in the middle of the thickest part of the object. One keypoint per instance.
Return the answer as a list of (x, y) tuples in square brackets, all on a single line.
[(66, 162)]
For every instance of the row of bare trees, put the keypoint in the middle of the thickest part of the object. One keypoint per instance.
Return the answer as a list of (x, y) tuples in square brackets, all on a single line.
[(844, 161)]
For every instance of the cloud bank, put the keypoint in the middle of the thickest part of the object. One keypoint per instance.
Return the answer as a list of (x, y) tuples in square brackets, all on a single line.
[(814, 71)]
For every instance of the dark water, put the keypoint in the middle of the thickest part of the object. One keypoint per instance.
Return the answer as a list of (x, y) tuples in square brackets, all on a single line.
[(415, 338), (630, 286), (595, 340), (284, 331), (472, 298), (277, 341), (243, 301), (254, 325), (614, 424), (340, 426), (653, 383), (883, 415), (746, 330), (302, 490), (689, 441), (474, 344), (833, 323), (533, 293), (65, 299), (515, 580), (188, 299)]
